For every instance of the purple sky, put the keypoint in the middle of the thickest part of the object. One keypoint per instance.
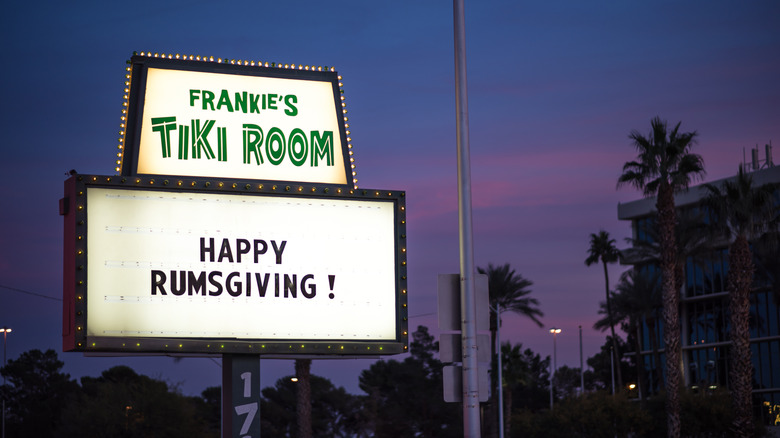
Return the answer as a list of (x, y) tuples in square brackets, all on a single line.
[(554, 90)]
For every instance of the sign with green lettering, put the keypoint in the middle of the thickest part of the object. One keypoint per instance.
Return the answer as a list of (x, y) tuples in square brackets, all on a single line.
[(213, 118)]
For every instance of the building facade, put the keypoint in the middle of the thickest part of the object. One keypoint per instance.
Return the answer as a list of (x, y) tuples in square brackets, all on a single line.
[(704, 304)]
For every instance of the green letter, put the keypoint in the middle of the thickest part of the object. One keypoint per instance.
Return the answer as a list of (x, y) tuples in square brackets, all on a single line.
[(164, 125), (241, 101), (200, 138), (253, 137), (208, 99), (222, 143), (193, 96), (290, 100), (275, 136), (184, 141), (253, 100), (299, 147), (224, 100), (321, 147)]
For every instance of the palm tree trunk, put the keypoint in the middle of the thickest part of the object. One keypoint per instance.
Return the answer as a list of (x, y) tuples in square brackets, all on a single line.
[(671, 302), (740, 279), (303, 399), (615, 352)]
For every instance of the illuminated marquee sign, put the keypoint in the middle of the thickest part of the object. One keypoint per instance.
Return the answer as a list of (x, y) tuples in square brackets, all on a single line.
[(219, 119), (226, 266)]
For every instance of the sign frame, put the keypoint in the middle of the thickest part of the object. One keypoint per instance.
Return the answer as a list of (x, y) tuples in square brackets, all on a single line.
[(76, 321), (135, 90)]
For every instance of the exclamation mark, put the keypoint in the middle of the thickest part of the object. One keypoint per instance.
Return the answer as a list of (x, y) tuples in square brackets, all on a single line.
[(331, 280)]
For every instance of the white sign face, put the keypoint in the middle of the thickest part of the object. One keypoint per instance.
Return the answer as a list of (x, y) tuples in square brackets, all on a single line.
[(202, 265), (237, 126)]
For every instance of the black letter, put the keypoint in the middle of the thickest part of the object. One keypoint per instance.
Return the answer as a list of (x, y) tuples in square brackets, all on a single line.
[(312, 288), (261, 284), (229, 285), (243, 248), (158, 281), (291, 285), (196, 284), (215, 283), (260, 251), (225, 251), (206, 249), (182, 283), (279, 250)]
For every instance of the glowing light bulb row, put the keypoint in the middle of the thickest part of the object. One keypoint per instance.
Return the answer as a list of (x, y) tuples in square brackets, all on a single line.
[(109, 345), (123, 119), (250, 63), (349, 133)]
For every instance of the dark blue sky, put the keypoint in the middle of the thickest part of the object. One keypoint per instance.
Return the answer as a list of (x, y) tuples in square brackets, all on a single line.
[(554, 90)]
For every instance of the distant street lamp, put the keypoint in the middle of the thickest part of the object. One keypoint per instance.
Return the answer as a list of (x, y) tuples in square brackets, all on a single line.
[(5, 331), (554, 332)]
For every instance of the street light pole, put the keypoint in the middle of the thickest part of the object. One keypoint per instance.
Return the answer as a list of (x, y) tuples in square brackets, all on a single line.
[(5, 331), (471, 419), (500, 374), (582, 368), (554, 332)]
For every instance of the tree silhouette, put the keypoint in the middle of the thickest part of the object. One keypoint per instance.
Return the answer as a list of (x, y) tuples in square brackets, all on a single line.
[(664, 166), (602, 249), (405, 398), (36, 393), (636, 300), (508, 291), (742, 212)]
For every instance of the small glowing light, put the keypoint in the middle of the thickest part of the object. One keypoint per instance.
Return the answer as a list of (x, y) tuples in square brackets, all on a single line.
[(293, 379)]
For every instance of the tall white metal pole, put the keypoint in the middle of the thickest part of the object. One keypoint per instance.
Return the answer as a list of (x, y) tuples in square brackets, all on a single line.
[(471, 420)]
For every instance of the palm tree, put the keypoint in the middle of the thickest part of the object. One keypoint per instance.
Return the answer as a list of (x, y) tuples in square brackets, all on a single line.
[(602, 249), (665, 166), (508, 291), (741, 213), (635, 300), (514, 373)]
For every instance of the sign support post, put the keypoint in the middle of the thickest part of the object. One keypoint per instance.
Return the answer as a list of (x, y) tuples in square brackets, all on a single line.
[(240, 396)]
